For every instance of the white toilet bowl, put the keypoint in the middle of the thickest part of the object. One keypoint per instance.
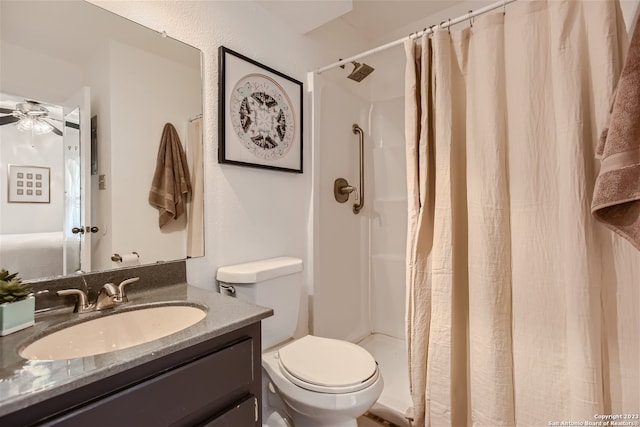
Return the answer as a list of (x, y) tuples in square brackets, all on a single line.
[(314, 381), (324, 382)]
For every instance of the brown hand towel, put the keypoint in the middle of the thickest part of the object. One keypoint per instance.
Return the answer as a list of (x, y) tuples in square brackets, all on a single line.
[(171, 178), (616, 197)]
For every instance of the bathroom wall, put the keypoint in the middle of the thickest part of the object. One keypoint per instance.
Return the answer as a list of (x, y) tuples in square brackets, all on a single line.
[(249, 213)]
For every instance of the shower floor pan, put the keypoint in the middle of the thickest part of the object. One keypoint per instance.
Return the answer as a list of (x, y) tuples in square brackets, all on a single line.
[(390, 353)]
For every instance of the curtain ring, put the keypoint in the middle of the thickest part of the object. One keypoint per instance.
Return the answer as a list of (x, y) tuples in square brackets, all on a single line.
[(471, 18), (504, 7), (449, 26)]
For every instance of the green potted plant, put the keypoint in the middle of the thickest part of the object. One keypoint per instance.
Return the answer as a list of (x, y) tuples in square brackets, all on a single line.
[(17, 303)]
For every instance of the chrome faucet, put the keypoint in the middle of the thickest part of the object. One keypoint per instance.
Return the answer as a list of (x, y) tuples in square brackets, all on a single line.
[(110, 295)]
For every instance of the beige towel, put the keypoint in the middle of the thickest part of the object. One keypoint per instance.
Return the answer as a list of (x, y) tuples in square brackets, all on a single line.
[(616, 197), (171, 178)]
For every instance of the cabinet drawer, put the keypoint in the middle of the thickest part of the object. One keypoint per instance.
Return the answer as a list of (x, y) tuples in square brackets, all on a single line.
[(243, 414), (185, 395)]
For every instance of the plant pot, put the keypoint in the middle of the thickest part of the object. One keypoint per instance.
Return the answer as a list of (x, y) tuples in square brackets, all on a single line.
[(18, 315)]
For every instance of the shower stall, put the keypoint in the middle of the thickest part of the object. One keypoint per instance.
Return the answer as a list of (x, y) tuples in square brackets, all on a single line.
[(359, 259)]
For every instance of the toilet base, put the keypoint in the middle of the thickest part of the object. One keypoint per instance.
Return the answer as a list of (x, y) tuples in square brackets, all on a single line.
[(274, 410), (302, 421), (275, 420), (277, 413)]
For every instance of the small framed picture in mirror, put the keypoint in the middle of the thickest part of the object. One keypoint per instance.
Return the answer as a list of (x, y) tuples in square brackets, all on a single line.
[(24, 179), (260, 115)]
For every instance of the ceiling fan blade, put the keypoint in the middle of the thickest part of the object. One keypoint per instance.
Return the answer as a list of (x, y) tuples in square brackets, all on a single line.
[(8, 119), (6, 110), (55, 129)]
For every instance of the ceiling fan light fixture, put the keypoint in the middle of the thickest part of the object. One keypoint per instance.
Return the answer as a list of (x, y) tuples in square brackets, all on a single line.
[(41, 127), (25, 123), (32, 119)]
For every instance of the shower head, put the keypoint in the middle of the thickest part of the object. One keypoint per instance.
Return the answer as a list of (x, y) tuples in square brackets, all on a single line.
[(360, 71)]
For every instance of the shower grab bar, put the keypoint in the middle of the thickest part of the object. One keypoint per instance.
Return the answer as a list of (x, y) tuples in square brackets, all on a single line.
[(358, 130)]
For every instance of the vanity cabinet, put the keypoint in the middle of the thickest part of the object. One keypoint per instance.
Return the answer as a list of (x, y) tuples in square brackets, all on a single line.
[(215, 383)]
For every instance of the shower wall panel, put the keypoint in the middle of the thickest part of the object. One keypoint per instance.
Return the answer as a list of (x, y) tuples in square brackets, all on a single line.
[(340, 289), (388, 218)]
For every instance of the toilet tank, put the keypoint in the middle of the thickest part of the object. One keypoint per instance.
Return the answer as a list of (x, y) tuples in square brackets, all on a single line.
[(273, 283)]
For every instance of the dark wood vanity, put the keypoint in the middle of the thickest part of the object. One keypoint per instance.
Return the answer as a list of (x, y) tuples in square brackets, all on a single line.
[(214, 383), (208, 374)]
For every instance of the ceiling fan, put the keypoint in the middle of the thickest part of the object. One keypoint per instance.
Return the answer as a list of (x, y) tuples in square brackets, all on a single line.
[(29, 115)]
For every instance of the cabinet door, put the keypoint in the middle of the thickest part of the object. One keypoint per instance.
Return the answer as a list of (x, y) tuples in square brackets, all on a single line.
[(186, 395), (243, 414)]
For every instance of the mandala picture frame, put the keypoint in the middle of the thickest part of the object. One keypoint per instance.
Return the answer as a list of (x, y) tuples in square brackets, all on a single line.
[(259, 115)]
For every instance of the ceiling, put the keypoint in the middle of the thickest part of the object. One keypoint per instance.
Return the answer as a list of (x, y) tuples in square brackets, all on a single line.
[(370, 18), (374, 17)]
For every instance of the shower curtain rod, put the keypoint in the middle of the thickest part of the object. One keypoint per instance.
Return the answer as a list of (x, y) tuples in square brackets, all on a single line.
[(444, 24)]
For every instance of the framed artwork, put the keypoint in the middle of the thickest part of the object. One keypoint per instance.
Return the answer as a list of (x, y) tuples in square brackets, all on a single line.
[(28, 184), (259, 113)]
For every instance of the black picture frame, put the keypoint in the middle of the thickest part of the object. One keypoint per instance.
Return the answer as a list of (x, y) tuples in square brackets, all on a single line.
[(260, 115)]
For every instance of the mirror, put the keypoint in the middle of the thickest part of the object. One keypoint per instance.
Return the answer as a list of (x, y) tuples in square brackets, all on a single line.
[(107, 86)]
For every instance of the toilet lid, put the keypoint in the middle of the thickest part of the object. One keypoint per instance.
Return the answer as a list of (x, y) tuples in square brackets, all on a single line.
[(328, 363)]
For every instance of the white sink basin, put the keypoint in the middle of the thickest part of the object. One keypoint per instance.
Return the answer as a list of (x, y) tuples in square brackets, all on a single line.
[(113, 332)]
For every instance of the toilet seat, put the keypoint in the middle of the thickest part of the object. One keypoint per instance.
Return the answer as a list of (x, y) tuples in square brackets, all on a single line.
[(327, 365)]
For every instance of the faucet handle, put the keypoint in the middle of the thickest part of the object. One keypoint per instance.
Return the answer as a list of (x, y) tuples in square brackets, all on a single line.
[(82, 305), (122, 293)]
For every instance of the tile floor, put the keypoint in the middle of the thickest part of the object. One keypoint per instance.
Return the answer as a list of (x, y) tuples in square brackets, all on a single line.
[(368, 420)]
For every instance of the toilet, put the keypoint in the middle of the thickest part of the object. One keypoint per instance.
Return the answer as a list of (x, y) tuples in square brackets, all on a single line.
[(311, 381)]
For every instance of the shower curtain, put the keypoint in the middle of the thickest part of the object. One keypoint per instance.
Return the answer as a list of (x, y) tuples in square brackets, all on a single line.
[(521, 309)]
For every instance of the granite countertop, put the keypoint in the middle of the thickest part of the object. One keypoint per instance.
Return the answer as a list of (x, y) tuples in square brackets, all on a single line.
[(25, 382)]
